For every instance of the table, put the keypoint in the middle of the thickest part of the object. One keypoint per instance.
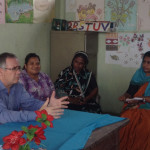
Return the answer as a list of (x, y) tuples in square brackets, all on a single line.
[(72, 130), (105, 138)]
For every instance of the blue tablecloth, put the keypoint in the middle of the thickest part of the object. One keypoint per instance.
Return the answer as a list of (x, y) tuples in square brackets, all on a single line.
[(70, 132)]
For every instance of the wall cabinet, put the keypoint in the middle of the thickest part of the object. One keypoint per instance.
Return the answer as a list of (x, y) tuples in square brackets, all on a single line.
[(64, 44)]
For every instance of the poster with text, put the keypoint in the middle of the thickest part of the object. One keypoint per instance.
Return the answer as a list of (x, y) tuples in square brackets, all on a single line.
[(19, 11)]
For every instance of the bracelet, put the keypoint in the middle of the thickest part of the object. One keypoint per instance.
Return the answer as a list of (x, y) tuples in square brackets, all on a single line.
[(144, 100)]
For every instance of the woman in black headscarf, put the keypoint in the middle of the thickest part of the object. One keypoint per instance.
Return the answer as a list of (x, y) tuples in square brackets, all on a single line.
[(79, 84)]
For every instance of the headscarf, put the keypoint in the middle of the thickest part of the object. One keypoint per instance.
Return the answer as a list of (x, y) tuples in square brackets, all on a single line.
[(67, 79), (81, 54), (139, 78)]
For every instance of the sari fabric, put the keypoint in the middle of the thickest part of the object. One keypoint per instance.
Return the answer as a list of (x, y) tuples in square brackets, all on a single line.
[(140, 78), (136, 135), (77, 85), (68, 83), (39, 90)]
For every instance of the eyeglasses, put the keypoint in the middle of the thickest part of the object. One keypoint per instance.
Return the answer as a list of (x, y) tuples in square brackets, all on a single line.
[(17, 68)]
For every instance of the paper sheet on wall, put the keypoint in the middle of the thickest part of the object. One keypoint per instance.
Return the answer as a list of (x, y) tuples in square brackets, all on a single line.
[(112, 55), (124, 13), (2, 11), (43, 11), (71, 5), (19, 11), (90, 10), (143, 15), (85, 10), (131, 48)]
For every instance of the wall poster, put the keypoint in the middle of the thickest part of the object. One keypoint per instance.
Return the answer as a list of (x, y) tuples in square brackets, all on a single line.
[(19, 11), (123, 12), (131, 48), (143, 15), (2, 11), (43, 11), (89, 10)]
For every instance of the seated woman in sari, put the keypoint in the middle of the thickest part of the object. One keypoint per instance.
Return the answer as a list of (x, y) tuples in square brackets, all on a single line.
[(38, 84), (136, 135), (79, 84)]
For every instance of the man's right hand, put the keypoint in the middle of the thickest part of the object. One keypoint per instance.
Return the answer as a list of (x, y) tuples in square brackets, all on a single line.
[(62, 102), (55, 111)]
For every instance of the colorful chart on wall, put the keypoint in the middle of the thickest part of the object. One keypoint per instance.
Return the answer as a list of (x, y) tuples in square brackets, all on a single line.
[(2, 11), (143, 15), (19, 11), (43, 11), (131, 48), (123, 12), (89, 10)]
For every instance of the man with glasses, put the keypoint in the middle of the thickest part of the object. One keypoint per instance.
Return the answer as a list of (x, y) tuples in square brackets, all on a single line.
[(16, 105)]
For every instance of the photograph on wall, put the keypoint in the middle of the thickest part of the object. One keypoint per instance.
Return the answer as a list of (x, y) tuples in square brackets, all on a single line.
[(2, 11), (44, 11), (143, 15), (131, 48), (19, 11), (85, 10), (123, 13)]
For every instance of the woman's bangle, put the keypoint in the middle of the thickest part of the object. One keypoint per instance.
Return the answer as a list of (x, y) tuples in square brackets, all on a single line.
[(144, 100)]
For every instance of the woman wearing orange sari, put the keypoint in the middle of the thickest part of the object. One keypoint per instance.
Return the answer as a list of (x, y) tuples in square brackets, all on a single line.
[(136, 135)]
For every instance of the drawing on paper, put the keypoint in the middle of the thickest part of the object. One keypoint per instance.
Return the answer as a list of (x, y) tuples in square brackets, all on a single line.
[(19, 11), (114, 57), (143, 15), (84, 10), (112, 42), (88, 12), (119, 12), (122, 12), (71, 5), (44, 11), (91, 10), (2, 11), (125, 40), (131, 48)]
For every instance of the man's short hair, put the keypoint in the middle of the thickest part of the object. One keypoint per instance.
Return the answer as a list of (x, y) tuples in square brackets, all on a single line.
[(3, 58)]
